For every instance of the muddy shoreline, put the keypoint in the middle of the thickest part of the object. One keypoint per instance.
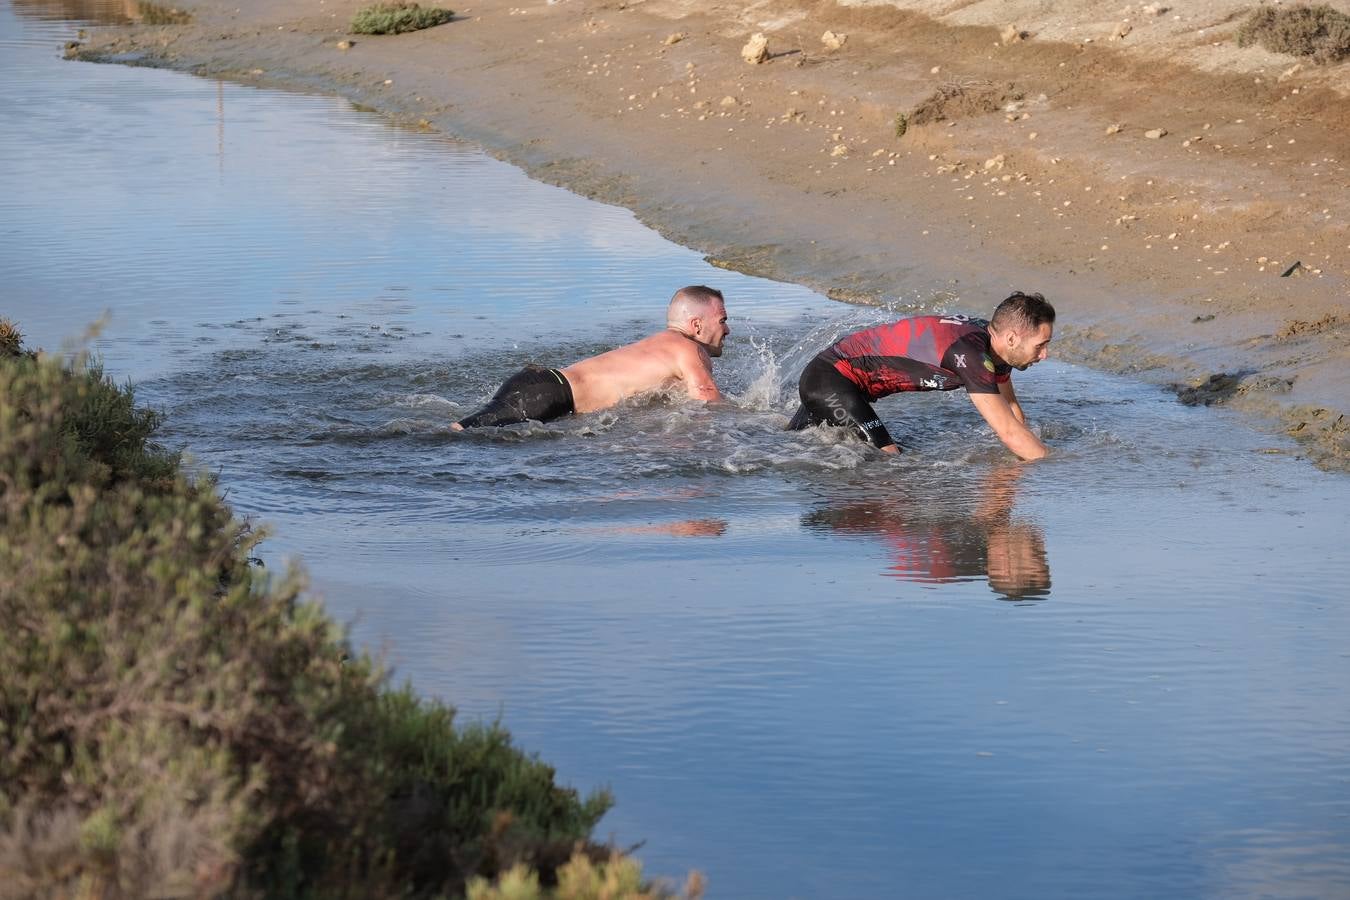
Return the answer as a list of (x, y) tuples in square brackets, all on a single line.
[(1165, 255)]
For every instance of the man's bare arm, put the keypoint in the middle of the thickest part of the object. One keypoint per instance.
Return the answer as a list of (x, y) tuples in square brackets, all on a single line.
[(1006, 389), (696, 373), (1010, 430)]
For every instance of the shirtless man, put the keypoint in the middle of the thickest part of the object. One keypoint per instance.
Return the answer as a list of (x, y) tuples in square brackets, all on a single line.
[(696, 327), (932, 353)]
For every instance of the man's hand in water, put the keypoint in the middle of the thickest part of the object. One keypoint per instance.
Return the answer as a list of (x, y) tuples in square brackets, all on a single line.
[(1008, 425)]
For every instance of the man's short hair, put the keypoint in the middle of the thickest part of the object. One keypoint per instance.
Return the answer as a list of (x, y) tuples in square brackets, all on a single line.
[(1023, 312), (690, 301), (700, 294)]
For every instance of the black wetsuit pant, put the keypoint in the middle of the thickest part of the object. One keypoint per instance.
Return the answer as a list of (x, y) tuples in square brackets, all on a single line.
[(828, 398), (534, 393)]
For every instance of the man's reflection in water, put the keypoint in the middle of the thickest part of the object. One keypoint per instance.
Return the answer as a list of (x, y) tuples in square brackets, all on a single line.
[(100, 12), (939, 543), (685, 528), (682, 528), (667, 499), (1017, 565)]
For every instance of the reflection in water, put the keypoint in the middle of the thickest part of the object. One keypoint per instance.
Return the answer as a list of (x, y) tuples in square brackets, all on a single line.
[(100, 12), (685, 528), (940, 543)]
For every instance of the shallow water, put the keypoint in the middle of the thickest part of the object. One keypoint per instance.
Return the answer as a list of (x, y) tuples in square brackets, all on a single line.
[(804, 668)]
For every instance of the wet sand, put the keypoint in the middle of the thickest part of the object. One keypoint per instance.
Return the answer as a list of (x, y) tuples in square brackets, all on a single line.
[(1165, 255)]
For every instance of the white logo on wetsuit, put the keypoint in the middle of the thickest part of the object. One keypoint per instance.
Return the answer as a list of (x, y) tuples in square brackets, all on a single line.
[(960, 360), (933, 383)]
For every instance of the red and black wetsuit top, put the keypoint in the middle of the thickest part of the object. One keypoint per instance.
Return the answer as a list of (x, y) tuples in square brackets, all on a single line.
[(924, 353)]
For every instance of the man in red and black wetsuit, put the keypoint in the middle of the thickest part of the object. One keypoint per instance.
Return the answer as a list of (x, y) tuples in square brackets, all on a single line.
[(931, 353)]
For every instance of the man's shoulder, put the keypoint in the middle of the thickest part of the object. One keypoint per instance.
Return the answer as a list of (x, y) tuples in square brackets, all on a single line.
[(957, 322), (658, 342), (672, 345), (974, 335), (955, 325), (667, 341)]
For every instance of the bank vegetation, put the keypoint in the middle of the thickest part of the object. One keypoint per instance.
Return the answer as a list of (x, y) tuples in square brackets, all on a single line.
[(175, 721)]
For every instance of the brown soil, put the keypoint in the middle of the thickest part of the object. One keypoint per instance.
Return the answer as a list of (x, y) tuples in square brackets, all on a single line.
[(1134, 164), (961, 101)]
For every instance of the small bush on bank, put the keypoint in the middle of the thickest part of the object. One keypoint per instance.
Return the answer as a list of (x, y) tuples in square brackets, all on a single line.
[(100, 438), (1317, 31), (155, 14), (173, 722), (617, 878), (11, 339), (396, 18)]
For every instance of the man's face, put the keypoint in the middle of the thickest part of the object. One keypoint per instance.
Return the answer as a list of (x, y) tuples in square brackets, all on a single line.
[(711, 329), (1027, 347)]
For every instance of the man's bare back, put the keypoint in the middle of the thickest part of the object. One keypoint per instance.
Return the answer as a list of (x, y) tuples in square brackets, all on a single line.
[(696, 327), (663, 360)]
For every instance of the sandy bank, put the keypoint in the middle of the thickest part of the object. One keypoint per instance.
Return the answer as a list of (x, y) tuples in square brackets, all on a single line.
[(1165, 254)]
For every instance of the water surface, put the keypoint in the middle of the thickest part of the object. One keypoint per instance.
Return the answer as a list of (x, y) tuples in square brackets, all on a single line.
[(805, 668)]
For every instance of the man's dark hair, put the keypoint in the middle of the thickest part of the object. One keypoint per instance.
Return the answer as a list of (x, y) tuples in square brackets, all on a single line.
[(1023, 312)]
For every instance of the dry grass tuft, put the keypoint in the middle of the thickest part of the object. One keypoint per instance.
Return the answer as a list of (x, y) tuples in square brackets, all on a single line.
[(397, 18), (1320, 32), (155, 14)]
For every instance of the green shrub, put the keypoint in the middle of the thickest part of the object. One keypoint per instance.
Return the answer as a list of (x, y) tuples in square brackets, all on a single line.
[(175, 722), (154, 14), (396, 18), (95, 434), (582, 878), (11, 339), (1317, 31)]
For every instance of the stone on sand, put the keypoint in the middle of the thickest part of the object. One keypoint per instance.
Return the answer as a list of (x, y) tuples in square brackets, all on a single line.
[(756, 50)]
